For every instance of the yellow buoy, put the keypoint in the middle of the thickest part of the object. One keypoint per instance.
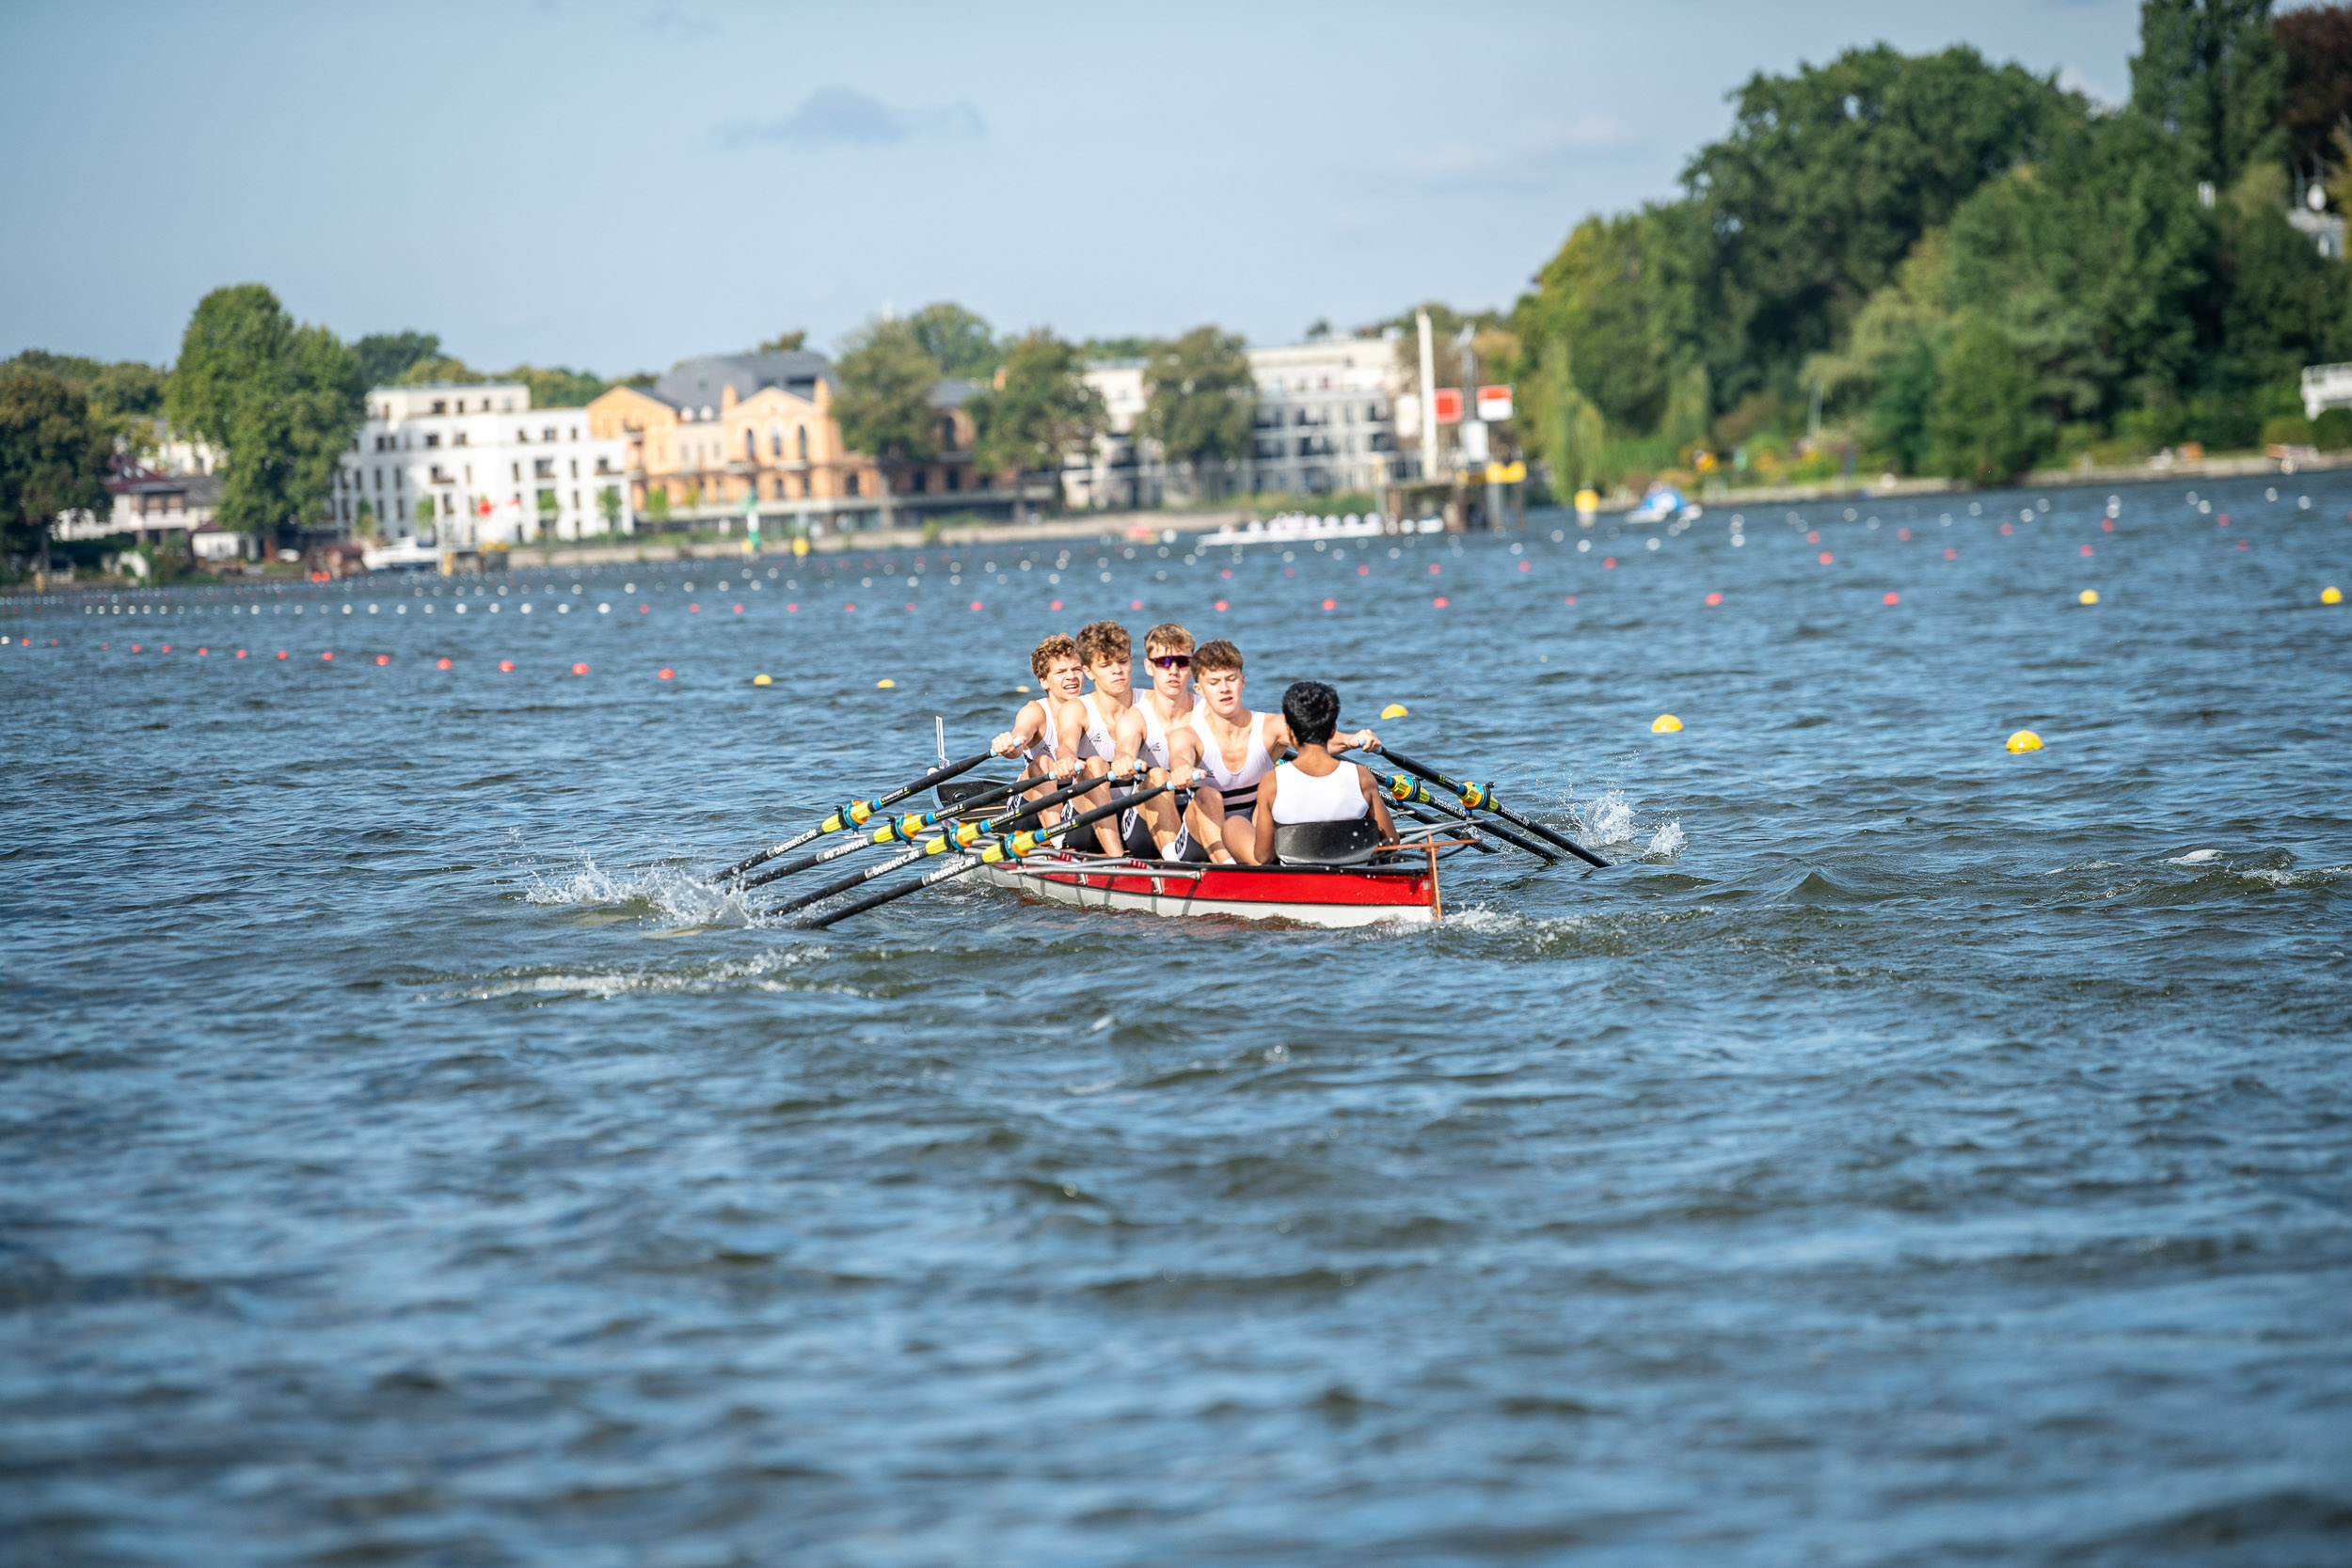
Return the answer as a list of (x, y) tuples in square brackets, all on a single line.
[(1587, 502), (2089, 595), (1394, 710), (1666, 723), (885, 685), (1023, 689), (763, 680), (2332, 595), (800, 547), (2024, 740)]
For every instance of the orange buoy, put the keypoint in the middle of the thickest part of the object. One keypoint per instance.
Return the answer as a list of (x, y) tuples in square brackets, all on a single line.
[(1220, 604), (1438, 602), (976, 604), (1610, 565), (1712, 599), (1827, 558), (383, 658), (1055, 605), (580, 669), (665, 674), (438, 664), (329, 656), (2086, 550), (1570, 599), (506, 666), (1330, 604), (1892, 599)]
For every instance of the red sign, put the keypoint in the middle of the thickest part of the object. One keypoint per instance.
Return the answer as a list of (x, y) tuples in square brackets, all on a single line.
[(1494, 404), (1449, 406)]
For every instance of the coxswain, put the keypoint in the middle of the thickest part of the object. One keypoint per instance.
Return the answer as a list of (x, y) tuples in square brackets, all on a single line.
[(1314, 785), (1230, 749)]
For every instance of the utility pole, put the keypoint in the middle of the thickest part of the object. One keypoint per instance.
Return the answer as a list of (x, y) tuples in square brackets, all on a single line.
[(1428, 401)]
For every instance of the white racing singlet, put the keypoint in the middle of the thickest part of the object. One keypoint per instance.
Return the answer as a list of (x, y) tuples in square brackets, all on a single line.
[(1040, 753), (1155, 737), (1238, 787), (1097, 740), (1334, 798)]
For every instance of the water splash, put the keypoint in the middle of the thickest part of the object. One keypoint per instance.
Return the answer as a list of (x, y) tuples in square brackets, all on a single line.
[(1667, 841), (2195, 857), (1608, 818), (670, 895)]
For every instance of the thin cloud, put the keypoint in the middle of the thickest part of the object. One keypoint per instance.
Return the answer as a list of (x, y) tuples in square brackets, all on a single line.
[(1532, 158), (679, 23), (2071, 79), (843, 116)]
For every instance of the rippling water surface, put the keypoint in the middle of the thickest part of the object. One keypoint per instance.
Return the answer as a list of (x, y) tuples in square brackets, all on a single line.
[(1907, 1152)]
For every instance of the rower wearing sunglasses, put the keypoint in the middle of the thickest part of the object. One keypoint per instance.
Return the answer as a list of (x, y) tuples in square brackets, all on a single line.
[(1157, 826), (1229, 749)]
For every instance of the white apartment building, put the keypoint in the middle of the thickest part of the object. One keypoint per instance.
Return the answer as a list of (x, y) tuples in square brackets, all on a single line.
[(1325, 421), (1327, 416), (464, 467)]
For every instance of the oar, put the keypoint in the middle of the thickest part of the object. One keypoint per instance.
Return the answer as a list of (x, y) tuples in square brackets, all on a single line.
[(1422, 813), (1012, 849), (1403, 788), (962, 834), (1481, 798), (855, 813), (903, 830)]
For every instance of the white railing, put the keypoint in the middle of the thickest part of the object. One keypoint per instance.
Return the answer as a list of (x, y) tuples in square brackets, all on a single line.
[(2325, 386)]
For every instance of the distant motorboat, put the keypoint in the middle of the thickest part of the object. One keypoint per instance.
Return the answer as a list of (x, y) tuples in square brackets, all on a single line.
[(409, 554), (1662, 502)]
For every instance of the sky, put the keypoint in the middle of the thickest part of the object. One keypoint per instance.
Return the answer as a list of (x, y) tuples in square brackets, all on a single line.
[(615, 186)]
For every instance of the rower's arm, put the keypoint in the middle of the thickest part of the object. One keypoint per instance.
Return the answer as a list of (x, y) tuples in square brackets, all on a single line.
[(1263, 822), (1025, 725), (1183, 756), (1380, 817), (1069, 727), (1127, 741)]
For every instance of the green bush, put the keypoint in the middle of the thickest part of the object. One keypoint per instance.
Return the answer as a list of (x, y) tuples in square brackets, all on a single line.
[(2287, 430), (2332, 430)]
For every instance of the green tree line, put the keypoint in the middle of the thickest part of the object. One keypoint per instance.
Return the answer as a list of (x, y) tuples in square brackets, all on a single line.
[(1975, 270)]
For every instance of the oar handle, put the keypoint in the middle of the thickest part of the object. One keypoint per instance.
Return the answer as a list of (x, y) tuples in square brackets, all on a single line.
[(971, 863), (1401, 788), (1483, 799), (902, 830)]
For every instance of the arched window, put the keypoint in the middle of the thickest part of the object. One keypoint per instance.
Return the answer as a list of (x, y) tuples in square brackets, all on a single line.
[(801, 435), (751, 446), (850, 485), (775, 442)]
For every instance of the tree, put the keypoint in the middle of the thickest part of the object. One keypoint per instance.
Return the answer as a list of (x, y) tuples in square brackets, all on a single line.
[(125, 397), (884, 406), (609, 506), (1200, 398), (383, 357), (1567, 425), (959, 343), (440, 369), (53, 458), (549, 506), (2210, 72), (426, 511), (558, 386), (2315, 94), (364, 519), (1600, 293), (657, 503), (280, 402), (1986, 431), (1040, 409), (1828, 179), (785, 342)]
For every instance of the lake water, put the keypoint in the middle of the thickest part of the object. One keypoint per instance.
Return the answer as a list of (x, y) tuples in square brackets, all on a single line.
[(1909, 1151)]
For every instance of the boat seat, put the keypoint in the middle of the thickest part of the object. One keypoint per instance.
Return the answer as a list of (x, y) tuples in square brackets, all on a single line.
[(1350, 842), (955, 794)]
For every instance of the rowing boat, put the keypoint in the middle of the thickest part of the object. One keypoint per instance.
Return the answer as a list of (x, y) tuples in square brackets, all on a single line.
[(1405, 890)]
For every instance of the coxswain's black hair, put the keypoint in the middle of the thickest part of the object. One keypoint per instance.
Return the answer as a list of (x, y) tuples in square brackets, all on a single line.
[(1313, 711)]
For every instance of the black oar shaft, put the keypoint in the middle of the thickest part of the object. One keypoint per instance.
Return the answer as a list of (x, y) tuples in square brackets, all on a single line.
[(895, 832), (1489, 805), (1461, 813), (860, 877), (967, 864), (842, 818)]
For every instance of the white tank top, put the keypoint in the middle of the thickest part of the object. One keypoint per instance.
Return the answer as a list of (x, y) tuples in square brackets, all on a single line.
[(1240, 787), (1097, 740), (1042, 748), (1155, 735), (1303, 798)]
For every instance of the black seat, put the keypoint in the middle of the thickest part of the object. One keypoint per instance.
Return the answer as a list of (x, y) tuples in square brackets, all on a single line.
[(1350, 842)]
